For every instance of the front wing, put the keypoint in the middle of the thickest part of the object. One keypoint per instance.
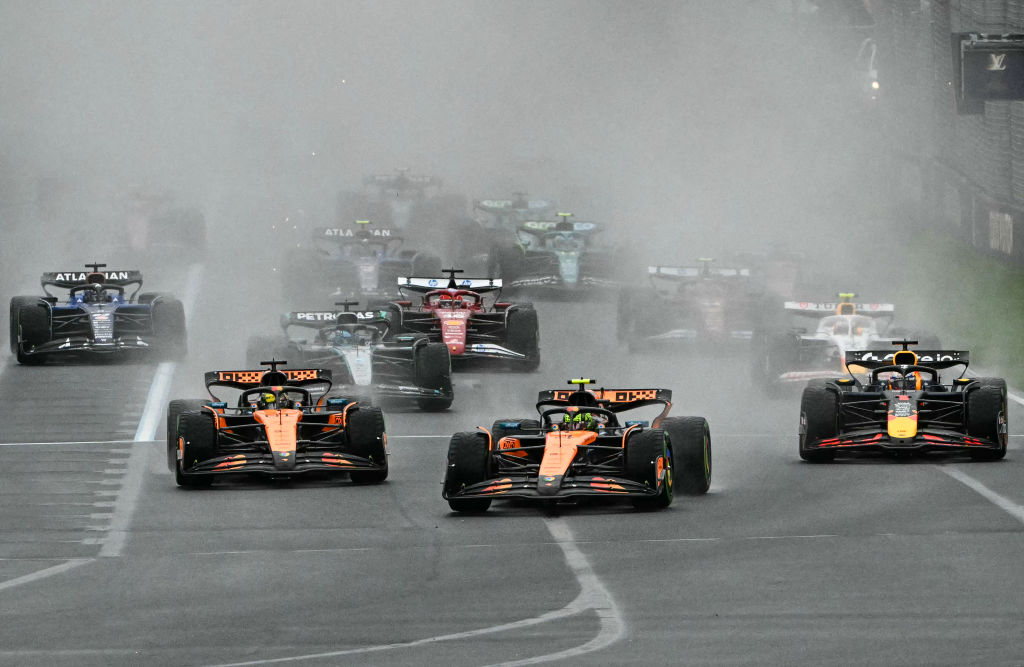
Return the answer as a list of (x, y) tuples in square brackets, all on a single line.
[(876, 439), (322, 461), (528, 486)]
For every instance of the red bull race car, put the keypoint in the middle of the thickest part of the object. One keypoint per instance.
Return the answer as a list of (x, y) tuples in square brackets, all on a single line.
[(904, 407), (466, 315), (283, 423), (578, 447)]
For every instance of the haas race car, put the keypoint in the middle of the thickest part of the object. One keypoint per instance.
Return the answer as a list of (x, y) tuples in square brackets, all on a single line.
[(578, 447), (796, 355), (98, 315), (465, 315), (903, 406), (283, 423), (689, 305), (357, 348), (347, 261)]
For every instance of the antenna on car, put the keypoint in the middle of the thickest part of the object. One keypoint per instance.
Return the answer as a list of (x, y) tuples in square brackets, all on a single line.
[(906, 343), (362, 222), (345, 305), (451, 276), (273, 363), (95, 267), (582, 382)]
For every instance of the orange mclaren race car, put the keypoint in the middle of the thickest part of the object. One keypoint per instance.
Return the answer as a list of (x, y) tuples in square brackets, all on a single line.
[(282, 424), (579, 447), (903, 407)]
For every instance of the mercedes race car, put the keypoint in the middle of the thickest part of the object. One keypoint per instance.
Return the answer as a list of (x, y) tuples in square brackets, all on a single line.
[(412, 203), (686, 305), (555, 258), (578, 447), (98, 315), (903, 406), (353, 261), (357, 348), (796, 355), (283, 423), (466, 316)]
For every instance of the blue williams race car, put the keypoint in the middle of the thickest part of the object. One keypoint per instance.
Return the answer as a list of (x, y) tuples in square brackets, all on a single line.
[(99, 316)]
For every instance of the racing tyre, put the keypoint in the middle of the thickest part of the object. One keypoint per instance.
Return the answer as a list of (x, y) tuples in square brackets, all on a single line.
[(523, 336), (267, 348), (175, 409), (468, 464), (986, 416), (31, 315), (169, 327), (649, 461), (150, 297), (200, 444), (819, 408), (434, 371), (366, 438), (690, 438)]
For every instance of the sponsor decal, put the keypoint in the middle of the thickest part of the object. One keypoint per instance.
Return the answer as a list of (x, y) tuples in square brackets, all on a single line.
[(432, 282), (334, 231), (317, 317), (902, 409), (79, 276)]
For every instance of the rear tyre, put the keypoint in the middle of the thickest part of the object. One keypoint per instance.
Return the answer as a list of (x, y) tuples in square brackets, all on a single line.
[(523, 336), (649, 461), (367, 438), (199, 444), (175, 409), (986, 416), (819, 409), (433, 364), (169, 327), (468, 464), (690, 438), (31, 316)]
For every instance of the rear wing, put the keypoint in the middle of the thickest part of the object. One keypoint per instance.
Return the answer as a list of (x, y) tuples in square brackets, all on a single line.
[(544, 226), (424, 285), (319, 319), (929, 358), (616, 400), (69, 279), (249, 379), (696, 272), (402, 179), (813, 309), (504, 205)]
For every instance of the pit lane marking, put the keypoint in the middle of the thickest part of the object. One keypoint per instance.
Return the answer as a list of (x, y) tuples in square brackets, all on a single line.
[(1002, 502), (593, 596)]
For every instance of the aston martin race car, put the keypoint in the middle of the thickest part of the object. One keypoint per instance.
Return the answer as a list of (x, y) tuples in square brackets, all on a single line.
[(98, 316), (795, 355), (903, 406), (361, 261), (686, 305), (363, 357), (555, 258), (494, 224), (578, 447), (283, 423), (467, 317)]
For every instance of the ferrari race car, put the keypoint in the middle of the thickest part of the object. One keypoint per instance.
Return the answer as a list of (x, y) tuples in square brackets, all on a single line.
[(554, 258), (795, 355), (688, 305), (283, 423), (353, 261), (904, 407), (98, 316), (469, 320), (357, 348), (578, 448)]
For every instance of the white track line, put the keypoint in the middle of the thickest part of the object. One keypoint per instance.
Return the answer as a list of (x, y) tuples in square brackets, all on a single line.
[(66, 442), (593, 596), (47, 572), (1003, 503)]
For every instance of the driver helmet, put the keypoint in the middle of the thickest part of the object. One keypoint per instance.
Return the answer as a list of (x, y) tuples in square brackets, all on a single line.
[(580, 421), (267, 401), (341, 337)]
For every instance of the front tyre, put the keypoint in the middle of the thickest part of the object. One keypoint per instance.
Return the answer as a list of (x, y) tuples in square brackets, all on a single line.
[(367, 439), (819, 410), (986, 416), (175, 409), (197, 438), (433, 365), (690, 438), (649, 461), (30, 321), (468, 464)]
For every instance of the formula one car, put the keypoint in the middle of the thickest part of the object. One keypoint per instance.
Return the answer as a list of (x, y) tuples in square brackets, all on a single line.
[(689, 304), (352, 345), (353, 261), (904, 407), (402, 200), (97, 317), (578, 448), (554, 258), (495, 223), (466, 316), (283, 423), (796, 355)]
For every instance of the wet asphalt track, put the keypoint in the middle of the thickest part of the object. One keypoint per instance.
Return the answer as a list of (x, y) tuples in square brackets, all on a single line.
[(103, 561)]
